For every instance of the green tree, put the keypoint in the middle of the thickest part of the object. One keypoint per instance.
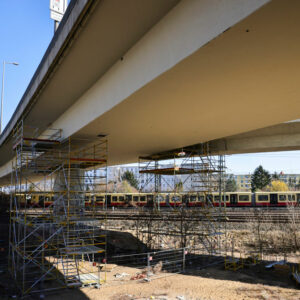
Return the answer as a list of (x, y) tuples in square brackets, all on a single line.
[(230, 184), (31, 187), (260, 179), (179, 187), (130, 178)]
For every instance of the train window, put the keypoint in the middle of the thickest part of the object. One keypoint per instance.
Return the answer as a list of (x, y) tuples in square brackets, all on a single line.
[(291, 197), (244, 198), (176, 199), (114, 198), (121, 198), (226, 197), (298, 197), (217, 198), (87, 199), (99, 198), (185, 198), (142, 198), (193, 198), (159, 198), (282, 197), (128, 197), (201, 198), (135, 198), (209, 197), (263, 198)]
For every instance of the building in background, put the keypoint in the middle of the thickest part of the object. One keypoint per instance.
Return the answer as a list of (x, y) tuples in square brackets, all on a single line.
[(243, 182)]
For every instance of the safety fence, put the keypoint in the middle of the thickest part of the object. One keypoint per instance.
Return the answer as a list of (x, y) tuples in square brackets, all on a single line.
[(145, 266)]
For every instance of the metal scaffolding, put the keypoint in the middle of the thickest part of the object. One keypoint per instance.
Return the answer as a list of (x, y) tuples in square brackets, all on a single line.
[(200, 177), (53, 244)]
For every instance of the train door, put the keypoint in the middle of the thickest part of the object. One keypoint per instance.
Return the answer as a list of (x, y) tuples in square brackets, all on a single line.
[(135, 200), (185, 199), (108, 199), (41, 200), (167, 197), (233, 199), (298, 198), (150, 201), (273, 199), (128, 199)]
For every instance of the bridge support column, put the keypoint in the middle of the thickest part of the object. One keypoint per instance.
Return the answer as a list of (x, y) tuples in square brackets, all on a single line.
[(69, 189)]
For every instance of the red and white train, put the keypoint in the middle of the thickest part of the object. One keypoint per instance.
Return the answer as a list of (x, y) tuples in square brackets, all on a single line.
[(232, 199)]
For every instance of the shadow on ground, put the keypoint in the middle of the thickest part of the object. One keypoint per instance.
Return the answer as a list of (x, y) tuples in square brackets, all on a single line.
[(213, 267)]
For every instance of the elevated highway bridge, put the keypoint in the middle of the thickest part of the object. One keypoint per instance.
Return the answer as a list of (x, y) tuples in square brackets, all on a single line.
[(159, 75)]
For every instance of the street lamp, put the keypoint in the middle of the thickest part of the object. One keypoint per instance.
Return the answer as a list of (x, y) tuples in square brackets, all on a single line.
[(2, 92)]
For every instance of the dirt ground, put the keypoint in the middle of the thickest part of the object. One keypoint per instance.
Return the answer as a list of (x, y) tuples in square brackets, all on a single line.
[(209, 284)]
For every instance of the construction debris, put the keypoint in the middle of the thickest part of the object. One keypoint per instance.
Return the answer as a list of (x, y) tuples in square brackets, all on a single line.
[(138, 276), (122, 275)]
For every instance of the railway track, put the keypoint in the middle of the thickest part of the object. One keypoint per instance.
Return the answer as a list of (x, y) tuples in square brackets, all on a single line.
[(270, 216)]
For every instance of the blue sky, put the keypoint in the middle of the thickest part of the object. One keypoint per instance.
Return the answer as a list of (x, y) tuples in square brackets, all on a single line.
[(288, 162), (25, 33)]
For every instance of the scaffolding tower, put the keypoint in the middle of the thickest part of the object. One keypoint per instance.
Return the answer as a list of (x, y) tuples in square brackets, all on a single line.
[(192, 175), (54, 239)]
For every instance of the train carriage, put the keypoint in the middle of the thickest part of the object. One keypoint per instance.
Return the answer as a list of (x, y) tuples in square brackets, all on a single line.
[(276, 199), (232, 199)]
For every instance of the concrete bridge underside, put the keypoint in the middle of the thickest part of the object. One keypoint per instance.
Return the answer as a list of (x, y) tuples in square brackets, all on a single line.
[(160, 75)]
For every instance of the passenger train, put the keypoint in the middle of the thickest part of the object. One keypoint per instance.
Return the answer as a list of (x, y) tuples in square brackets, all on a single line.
[(232, 199)]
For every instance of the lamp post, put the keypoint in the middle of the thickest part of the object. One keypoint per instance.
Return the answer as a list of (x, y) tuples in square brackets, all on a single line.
[(2, 92)]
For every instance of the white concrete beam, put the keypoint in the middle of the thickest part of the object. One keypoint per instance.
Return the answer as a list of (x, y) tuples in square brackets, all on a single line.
[(185, 29)]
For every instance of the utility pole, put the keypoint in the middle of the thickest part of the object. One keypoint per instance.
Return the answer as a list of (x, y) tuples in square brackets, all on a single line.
[(2, 90), (2, 93)]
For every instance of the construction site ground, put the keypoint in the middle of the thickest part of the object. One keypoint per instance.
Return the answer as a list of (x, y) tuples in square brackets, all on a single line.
[(212, 283)]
